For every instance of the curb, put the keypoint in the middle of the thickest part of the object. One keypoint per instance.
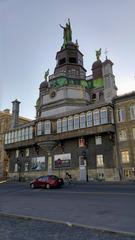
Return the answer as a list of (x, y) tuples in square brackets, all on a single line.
[(3, 181), (71, 224)]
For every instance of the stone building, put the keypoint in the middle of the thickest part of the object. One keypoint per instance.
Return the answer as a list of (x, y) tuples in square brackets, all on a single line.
[(75, 128), (124, 107), (6, 121)]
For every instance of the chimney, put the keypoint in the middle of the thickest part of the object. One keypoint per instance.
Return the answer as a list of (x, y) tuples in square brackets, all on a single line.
[(15, 113), (6, 110)]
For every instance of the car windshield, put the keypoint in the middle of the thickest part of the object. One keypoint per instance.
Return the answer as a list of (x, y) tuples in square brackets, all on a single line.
[(54, 177)]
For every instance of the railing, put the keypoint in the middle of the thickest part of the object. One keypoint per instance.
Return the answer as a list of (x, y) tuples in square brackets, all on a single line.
[(65, 74)]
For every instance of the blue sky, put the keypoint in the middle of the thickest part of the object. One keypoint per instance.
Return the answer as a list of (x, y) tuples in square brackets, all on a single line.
[(30, 36)]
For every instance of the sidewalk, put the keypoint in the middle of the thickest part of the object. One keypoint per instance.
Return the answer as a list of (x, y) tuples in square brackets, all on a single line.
[(14, 228)]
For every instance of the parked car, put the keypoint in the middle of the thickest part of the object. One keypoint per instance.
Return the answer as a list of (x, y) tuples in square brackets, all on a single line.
[(49, 181)]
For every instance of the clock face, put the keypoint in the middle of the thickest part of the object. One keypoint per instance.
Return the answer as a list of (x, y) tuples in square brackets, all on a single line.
[(52, 94)]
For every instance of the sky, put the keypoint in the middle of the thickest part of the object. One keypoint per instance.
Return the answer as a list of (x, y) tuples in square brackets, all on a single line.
[(30, 36)]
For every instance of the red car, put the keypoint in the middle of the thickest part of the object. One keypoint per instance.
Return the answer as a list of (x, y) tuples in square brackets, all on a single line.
[(49, 181)]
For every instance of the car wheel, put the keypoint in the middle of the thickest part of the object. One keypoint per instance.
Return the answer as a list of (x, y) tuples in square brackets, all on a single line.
[(32, 186), (47, 185)]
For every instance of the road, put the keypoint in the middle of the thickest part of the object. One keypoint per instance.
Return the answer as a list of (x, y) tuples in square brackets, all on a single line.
[(98, 205)]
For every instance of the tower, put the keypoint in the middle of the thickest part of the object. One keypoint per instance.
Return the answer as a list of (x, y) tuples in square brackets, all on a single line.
[(110, 89), (66, 89)]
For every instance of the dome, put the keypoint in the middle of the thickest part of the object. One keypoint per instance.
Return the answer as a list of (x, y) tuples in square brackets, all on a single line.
[(97, 64), (44, 84)]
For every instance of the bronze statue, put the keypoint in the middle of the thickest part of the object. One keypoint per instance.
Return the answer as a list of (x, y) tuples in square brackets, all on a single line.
[(46, 75), (98, 54), (67, 35)]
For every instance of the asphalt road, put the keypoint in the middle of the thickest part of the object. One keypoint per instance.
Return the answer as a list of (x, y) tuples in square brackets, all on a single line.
[(98, 205)]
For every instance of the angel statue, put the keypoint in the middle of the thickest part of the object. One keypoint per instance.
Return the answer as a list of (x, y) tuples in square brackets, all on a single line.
[(46, 75), (98, 54)]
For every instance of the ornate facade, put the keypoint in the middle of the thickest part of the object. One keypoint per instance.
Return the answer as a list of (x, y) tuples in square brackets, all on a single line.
[(75, 128)]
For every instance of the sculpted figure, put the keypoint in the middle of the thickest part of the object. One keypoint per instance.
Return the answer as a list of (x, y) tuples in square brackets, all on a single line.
[(46, 75), (67, 34), (98, 54)]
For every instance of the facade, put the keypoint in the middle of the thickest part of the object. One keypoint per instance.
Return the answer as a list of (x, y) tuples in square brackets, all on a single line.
[(5, 125), (75, 128), (125, 131)]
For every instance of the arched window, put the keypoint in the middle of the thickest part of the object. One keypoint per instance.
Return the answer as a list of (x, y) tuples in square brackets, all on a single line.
[(82, 120), (76, 122), (70, 123), (103, 115), (89, 119), (47, 127), (64, 125), (96, 117), (59, 126)]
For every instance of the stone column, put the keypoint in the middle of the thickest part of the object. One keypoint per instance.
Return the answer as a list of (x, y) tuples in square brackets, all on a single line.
[(48, 147)]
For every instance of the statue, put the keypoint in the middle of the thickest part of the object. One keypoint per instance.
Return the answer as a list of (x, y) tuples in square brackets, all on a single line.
[(98, 54), (46, 75), (67, 36)]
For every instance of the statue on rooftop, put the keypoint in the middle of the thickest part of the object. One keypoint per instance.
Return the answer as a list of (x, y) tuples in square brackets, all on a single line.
[(67, 34), (46, 75), (98, 54)]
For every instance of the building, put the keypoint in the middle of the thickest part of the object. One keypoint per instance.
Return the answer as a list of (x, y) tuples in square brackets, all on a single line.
[(5, 125), (124, 107), (75, 128)]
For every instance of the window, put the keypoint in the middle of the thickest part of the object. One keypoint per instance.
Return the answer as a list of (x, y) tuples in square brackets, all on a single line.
[(125, 157), (27, 152), (16, 136), (98, 140), (70, 123), (82, 121), (133, 132), (89, 119), (72, 60), (99, 160), (47, 127), (17, 153), (59, 126), (39, 128), (96, 117), (132, 112), (64, 125), (121, 115), (19, 135), (103, 116), (122, 135), (23, 133), (26, 167), (111, 117), (6, 138), (16, 167), (30, 132), (38, 163), (76, 122)]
